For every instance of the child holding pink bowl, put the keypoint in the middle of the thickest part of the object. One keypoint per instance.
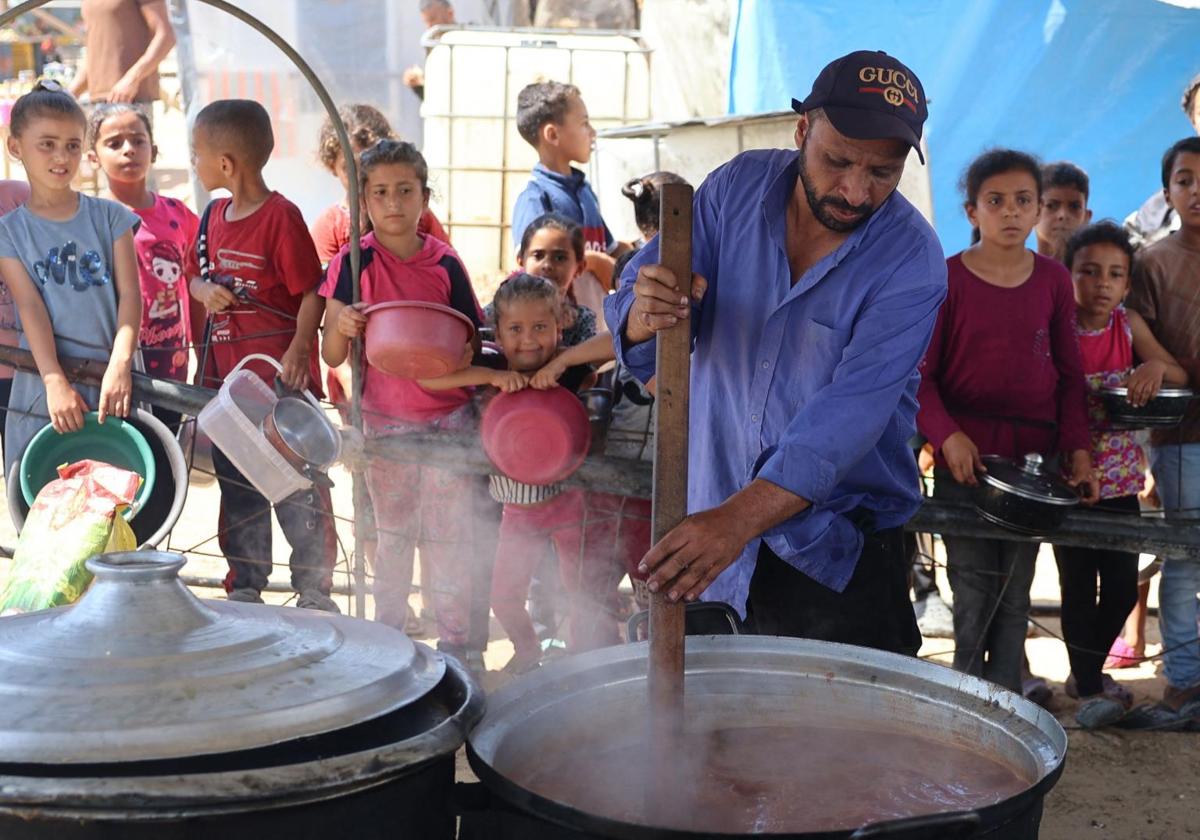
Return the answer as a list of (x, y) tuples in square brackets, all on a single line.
[(528, 316), (415, 505)]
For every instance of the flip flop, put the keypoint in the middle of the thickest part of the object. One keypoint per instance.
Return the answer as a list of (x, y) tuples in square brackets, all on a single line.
[(1153, 717), (1122, 655)]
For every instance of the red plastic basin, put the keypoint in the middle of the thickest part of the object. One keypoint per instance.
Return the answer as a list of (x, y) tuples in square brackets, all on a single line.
[(536, 437), (414, 339)]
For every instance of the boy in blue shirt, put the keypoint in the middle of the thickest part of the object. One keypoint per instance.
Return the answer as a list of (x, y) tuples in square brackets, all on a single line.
[(552, 117)]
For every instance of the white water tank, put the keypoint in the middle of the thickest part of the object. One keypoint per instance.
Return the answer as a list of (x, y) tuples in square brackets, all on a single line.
[(478, 162)]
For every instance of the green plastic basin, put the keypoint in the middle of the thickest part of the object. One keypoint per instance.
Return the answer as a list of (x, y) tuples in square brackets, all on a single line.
[(116, 442)]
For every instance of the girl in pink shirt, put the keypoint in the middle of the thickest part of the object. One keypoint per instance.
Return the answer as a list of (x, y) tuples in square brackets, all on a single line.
[(1002, 376), (415, 505), (1112, 340), (121, 143)]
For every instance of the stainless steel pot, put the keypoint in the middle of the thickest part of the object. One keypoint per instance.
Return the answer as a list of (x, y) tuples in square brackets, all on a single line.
[(1166, 409), (1026, 497), (302, 434), (745, 680), (144, 711)]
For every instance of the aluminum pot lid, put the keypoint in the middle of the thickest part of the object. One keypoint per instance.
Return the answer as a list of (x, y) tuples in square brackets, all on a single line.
[(140, 669), (1028, 479)]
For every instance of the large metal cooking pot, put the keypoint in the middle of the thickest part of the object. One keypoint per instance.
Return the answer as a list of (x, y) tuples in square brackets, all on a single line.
[(143, 712), (574, 704)]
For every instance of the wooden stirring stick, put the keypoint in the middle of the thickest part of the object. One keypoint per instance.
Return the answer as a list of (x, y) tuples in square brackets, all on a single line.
[(672, 378)]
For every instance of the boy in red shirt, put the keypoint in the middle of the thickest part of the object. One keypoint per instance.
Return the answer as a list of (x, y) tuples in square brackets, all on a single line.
[(261, 297)]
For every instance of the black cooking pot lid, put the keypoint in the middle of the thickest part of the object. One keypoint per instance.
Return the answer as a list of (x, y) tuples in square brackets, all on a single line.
[(1028, 480), (141, 669)]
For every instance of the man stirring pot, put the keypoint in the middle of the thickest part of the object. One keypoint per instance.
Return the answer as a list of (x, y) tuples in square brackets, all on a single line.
[(815, 292)]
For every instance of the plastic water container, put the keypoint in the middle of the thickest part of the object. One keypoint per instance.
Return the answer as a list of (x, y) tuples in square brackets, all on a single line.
[(233, 419)]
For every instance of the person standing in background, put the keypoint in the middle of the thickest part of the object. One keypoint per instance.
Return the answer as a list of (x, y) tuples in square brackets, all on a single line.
[(433, 13), (1163, 292), (1156, 218), (124, 43)]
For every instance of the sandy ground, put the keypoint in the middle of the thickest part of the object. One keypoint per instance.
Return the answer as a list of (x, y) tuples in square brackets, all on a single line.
[(1116, 784)]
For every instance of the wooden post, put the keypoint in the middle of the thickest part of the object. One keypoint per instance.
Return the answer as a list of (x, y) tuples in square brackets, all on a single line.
[(673, 373)]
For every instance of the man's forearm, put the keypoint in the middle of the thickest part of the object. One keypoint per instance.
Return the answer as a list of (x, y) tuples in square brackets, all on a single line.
[(761, 505), (634, 331)]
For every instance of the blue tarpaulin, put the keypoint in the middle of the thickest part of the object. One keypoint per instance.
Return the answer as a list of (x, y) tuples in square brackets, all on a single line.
[(1096, 82)]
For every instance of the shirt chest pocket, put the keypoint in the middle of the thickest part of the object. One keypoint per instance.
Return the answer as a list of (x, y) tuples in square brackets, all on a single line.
[(816, 353)]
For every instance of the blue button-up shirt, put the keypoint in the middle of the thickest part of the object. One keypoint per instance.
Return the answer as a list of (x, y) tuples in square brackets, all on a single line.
[(808, 385)]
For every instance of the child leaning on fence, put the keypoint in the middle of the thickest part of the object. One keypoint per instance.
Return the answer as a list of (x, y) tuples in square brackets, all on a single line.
[(1002, 376), (1111, 340), (121, 143), (68, 261), (528, 310), (415, 505), (260, 292)]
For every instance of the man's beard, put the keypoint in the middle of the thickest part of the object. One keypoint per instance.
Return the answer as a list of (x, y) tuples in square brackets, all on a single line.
[(821, 206)]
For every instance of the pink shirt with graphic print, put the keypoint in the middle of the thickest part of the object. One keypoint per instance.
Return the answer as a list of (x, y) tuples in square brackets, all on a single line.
[(166, 231)]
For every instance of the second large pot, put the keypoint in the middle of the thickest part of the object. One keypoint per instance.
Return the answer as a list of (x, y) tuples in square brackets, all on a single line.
[(143, 712), (581, 705)]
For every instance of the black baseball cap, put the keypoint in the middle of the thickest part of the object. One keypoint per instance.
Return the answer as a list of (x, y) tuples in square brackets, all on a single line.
[(868, 95)]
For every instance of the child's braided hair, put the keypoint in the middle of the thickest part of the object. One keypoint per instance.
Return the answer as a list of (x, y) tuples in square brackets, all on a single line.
[(644, 192), (526, 287)]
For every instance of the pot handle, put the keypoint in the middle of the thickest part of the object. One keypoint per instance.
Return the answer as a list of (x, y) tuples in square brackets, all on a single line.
[(470, 797), (282, 390), (260, 357), (943, 826), (257, 357), (638, 624)]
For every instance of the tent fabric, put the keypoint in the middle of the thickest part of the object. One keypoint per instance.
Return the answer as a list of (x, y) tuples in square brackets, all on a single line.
[(1096, 82)]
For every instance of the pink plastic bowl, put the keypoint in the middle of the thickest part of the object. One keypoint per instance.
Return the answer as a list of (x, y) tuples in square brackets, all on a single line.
[(536, 437), (415, 339)]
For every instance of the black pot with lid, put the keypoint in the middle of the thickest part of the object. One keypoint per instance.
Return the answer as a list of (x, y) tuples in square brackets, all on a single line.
[(1165, 409), (145, 711), (1024, 497)]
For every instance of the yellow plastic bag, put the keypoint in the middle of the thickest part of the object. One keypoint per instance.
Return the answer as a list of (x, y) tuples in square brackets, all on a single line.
[(74, 517)]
